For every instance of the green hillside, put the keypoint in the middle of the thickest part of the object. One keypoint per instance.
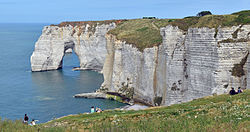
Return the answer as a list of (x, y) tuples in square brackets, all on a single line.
[(215, 113), (144, 33)]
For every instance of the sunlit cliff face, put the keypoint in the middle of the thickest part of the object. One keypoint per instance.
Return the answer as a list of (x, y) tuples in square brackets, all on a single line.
[(187, 65), (89, 45)]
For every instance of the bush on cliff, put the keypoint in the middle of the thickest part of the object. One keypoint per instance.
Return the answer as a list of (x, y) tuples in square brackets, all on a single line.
[(204, 13)]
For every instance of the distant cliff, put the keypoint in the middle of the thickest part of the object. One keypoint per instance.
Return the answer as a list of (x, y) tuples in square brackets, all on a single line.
[(86, 39), (159, 61)]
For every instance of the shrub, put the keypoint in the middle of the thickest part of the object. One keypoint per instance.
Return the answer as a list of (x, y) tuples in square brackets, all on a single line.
[(204, 13), (157, 101)]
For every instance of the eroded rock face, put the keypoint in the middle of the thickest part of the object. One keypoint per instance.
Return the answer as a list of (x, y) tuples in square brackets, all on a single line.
[(248, 72), (87, 41), (188, 65)]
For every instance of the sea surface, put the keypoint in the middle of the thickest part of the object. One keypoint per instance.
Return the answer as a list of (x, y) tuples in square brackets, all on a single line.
[(42, 95)]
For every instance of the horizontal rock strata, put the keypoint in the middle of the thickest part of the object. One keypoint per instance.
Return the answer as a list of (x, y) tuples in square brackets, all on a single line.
[(187, 65)]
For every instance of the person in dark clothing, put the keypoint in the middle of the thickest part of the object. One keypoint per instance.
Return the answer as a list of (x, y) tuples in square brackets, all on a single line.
[(239, 90), (25, 119), (232, 92)]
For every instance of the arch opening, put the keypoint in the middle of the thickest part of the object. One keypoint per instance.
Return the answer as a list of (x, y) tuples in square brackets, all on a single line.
[(70, 59)]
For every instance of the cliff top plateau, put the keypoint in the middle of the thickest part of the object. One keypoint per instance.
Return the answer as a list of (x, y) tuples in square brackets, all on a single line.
[(145, 33)]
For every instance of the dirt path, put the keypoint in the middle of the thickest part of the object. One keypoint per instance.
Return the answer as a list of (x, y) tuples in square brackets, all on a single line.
[(155, 27)]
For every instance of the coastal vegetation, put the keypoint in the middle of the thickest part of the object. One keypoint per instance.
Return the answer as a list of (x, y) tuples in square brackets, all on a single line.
[(145, 33), (213, 113), (204, 13)]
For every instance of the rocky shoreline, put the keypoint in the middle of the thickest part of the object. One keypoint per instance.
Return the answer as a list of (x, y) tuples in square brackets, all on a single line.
[(96, 95), (132, 105), (113, 96)]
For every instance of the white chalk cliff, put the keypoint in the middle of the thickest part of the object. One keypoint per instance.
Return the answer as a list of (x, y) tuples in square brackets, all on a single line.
[(186, 66), (87, 41)]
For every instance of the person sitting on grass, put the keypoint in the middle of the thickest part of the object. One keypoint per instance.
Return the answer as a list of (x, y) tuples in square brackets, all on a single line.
[(33, 122), (239, 90), (232, 92), (92, 110), (98, 110)]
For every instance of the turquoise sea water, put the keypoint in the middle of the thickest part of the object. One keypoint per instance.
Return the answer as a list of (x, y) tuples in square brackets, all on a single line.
[(42, 95)]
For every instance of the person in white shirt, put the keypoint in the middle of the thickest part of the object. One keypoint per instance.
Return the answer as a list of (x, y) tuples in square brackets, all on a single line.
[(33, 123)]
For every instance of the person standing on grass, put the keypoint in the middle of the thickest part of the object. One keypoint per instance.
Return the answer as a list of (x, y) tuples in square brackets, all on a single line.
[(25, 119)]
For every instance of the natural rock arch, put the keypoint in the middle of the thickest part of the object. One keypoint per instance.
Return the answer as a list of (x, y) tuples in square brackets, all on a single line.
[(89, 47), (50, 58), (68, 46)]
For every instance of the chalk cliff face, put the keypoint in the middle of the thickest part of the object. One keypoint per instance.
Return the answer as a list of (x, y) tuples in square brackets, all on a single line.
[(188, 65), (87, 41)]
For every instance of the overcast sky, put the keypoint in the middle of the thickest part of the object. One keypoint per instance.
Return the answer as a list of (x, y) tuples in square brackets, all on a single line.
[(56, 11)]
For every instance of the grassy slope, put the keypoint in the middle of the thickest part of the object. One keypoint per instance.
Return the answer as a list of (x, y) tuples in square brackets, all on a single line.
[(144, 33), (217, 113)]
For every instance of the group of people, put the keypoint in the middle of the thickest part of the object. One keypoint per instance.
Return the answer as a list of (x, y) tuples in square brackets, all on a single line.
[(98, 110), (33, 122), (233, 92), (26, 120)]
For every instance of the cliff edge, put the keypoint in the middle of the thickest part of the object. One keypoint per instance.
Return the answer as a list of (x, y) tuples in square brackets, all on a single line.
[(186, 66), (155, 61)]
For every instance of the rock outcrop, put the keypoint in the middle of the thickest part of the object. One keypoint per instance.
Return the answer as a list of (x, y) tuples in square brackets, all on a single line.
[(188, 65), (87, 41), (96, 95)]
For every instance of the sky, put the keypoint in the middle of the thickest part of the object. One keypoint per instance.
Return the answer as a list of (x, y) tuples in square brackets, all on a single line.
[(56, 11)]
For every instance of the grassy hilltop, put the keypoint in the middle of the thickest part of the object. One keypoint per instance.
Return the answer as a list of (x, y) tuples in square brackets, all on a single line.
[(145, 33), (214, 113)]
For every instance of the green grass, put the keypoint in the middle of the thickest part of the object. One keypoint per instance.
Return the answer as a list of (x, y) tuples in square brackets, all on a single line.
[(139, 32), (215, 113), (18, 126), (145, 33), (243, 16)]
